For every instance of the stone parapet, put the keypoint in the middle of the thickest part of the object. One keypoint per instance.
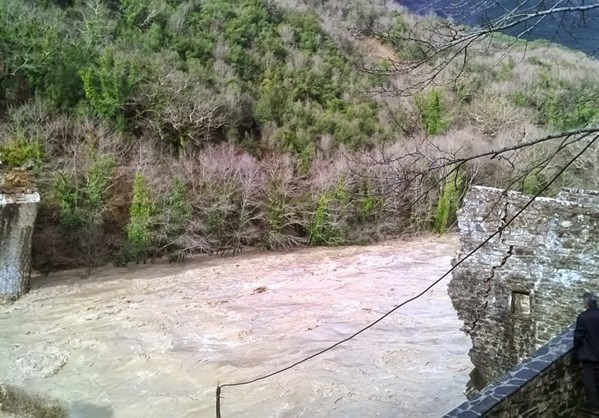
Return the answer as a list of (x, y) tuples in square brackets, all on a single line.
[(548, 384)]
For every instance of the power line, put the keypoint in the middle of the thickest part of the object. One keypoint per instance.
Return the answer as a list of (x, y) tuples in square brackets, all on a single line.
[(429, 287)]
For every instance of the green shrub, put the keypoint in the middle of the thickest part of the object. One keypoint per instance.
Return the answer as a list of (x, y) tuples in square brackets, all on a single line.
[(369, 207), (133, 11), (82, 202), (561, 104), (108, 84), (139, 233), (519, 98), (304, 161), (533, 182), (447, 205), (432, 112), (323, 230), (567, 106), (272, 101), (16, 153), (307, 33), (329, 220)]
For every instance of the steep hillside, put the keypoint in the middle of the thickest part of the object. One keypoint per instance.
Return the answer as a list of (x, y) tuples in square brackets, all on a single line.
[(169, 128)]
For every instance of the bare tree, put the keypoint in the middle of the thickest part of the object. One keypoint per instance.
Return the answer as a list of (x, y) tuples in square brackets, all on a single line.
[(442, 45), (436, 54)]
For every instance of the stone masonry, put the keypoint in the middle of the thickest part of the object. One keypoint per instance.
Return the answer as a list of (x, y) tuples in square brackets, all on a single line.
[(525, 285), (18, 209), (548, 384)]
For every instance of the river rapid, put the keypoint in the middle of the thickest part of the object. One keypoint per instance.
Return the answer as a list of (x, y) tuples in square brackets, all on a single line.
[(154, 341)]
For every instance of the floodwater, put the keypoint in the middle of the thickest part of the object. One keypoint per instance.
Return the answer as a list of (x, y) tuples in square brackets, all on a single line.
[(154, 341)]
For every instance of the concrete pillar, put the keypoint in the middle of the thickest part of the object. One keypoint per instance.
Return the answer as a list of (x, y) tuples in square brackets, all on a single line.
[(18, 208)]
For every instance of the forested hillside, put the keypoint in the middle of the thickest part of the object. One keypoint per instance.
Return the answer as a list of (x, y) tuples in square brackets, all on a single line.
[(162, 127)]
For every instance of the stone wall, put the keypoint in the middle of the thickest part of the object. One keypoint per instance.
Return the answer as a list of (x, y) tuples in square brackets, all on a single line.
[(548, 384), (525, 285), (18, 208)]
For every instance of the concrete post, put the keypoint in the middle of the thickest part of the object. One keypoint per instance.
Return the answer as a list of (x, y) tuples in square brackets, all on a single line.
[(18, 209)]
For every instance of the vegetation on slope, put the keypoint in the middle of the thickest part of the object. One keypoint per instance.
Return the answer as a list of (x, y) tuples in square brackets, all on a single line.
[(160, 127)]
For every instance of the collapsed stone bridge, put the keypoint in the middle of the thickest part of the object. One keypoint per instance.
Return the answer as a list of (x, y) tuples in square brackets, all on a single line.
[(18, 208), (524, 286)]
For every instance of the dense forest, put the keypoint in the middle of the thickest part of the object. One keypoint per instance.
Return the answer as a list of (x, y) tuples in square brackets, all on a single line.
[(168, 128)]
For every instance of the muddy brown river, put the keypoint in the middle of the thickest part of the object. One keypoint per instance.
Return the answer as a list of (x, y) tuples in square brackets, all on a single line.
[(154, 341)]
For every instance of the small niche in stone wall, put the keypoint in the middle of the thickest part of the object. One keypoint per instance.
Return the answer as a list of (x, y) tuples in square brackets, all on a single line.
[(521, 303)]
